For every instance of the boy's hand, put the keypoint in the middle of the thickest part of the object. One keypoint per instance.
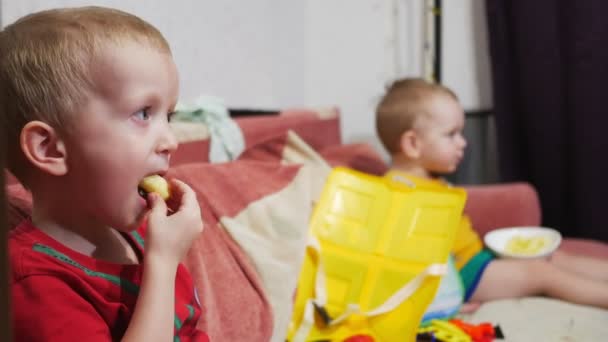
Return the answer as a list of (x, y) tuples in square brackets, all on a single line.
[(169, 236)]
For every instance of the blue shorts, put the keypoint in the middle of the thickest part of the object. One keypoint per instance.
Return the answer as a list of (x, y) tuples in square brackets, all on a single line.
[(471, 272)]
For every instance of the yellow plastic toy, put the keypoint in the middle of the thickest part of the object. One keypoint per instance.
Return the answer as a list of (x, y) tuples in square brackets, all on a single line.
[(377, 250)]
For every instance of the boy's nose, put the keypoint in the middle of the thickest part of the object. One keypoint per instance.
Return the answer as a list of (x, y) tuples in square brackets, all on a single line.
[(463, 141), (167, 141)]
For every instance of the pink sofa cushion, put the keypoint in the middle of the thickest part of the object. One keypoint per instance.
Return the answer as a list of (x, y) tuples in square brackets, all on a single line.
[(592, 248), (502, 205), (19, 204), (319, 129), (360, 157)]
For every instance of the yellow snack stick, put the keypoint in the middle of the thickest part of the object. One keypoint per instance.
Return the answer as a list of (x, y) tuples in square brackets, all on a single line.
[(157, 184)]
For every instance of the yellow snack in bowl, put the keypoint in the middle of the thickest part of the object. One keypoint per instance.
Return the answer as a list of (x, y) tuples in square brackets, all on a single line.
[(157, 184), (526, 245)]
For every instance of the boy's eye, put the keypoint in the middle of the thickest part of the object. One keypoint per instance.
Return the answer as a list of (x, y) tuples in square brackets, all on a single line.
[(455, 133), (142, 115)]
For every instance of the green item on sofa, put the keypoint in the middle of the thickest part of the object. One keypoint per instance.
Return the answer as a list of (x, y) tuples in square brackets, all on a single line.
[(226, 138)]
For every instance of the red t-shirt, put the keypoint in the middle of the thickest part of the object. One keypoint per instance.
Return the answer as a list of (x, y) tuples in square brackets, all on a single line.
[(61, 295)]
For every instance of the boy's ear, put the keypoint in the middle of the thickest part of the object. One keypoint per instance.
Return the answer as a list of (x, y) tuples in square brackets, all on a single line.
[(43, 147), (410, 146)]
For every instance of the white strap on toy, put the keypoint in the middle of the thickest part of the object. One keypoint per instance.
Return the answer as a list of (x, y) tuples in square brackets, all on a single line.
[(404, 180), (390, 304), (399, 297), (307, 322)]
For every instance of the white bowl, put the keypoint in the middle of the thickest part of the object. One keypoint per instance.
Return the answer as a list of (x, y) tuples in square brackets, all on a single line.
[(497, 240)]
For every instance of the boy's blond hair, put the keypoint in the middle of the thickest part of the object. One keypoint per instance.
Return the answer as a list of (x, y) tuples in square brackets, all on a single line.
[(45, 65), (405, 101)]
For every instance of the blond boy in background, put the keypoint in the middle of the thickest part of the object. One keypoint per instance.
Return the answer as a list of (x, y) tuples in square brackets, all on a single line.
[(421, 125)]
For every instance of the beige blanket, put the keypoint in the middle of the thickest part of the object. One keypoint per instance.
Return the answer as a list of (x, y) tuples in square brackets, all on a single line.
[(537, 319)]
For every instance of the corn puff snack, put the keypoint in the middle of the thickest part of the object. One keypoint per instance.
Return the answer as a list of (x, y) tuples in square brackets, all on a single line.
[(526, 245), (157, 184)]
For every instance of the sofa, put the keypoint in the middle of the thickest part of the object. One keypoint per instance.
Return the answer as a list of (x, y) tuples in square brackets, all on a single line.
[(256, 209)]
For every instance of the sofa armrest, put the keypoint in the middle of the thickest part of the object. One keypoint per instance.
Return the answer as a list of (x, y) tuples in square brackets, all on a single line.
[(502, 205), (517, 204)]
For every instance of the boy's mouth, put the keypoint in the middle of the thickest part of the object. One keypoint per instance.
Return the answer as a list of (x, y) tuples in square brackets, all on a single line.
[(142, 192)]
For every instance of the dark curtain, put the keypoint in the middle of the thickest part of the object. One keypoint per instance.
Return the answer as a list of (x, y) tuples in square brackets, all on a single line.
[(550, 81)]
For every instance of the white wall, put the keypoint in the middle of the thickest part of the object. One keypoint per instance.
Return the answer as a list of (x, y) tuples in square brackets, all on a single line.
[(273, 54), (250, 53), (354, 49), (466, 61)]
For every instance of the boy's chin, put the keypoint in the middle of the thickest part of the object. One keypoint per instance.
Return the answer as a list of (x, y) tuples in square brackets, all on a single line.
[(138, 222), (134, 225)]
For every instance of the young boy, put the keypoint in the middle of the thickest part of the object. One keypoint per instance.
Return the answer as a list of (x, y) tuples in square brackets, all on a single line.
[(421, 126), (86, 95)]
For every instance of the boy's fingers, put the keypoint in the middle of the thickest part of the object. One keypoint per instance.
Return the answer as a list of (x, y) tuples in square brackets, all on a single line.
[(178, 187), (182, 194), (157, 205)]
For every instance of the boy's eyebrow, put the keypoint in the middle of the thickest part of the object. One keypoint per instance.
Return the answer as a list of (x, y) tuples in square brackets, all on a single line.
[(150, 98)]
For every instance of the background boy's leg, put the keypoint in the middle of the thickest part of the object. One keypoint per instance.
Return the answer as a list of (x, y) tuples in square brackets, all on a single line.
[(593, 268), (510, 278)]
